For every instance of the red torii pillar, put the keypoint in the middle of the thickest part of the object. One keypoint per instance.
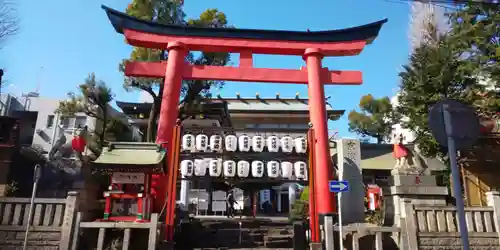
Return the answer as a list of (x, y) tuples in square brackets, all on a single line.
[(323, 172), (312, 46), (171, 92)]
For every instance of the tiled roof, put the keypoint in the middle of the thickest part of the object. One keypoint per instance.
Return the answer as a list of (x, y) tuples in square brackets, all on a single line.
[(269, 104), (250, 104)]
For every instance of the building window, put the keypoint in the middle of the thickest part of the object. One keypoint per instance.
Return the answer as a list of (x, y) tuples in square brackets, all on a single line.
[(382, 181), (368, 179), (65, 122), (50, 121), (299, 126), (80, 121), (269, 126)]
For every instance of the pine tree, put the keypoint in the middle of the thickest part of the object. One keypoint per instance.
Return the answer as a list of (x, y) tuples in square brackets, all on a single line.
[(375, 119)]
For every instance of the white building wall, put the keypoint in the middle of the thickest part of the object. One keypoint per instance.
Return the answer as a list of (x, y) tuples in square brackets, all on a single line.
[(43, 132), (46, 107)]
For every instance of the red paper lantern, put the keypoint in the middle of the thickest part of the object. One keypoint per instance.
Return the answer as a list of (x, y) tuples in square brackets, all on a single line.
[(78, 144)]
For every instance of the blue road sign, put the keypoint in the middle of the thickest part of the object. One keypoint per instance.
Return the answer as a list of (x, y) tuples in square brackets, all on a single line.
[(338, 186)]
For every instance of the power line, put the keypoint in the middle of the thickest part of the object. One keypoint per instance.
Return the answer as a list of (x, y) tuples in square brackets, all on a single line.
[(435, 3), (448, 3)]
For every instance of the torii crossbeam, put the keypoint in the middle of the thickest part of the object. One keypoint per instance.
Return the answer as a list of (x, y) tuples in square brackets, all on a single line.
[(312, 46)]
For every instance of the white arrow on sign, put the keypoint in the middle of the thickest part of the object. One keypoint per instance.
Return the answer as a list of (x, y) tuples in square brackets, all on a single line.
[(338, 186)]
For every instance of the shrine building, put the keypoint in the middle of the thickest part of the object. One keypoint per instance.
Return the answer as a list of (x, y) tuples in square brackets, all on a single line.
[(255, 113), (243, 112)]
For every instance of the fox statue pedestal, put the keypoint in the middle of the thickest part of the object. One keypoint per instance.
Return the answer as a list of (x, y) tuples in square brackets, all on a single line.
[(418, 189), (410, 182)]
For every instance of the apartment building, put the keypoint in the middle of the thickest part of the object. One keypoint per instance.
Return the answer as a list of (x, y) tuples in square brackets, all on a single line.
[(41, 125)]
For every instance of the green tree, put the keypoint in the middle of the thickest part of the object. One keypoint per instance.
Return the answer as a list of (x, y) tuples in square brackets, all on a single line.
[(375, 119), (475, 28), (170, 12), (300, 208), (92, 99), (449, 66)]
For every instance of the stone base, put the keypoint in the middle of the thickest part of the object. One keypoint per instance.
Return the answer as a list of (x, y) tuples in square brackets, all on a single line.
[(409, 170), (315, 246), (419, 192), (424, 193), (412, 180)]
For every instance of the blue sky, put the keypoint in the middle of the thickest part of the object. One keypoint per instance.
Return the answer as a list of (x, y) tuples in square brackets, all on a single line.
[(70, 39)]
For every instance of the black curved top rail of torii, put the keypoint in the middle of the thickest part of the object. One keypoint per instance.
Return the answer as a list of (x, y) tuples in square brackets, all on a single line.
[(367, 32)]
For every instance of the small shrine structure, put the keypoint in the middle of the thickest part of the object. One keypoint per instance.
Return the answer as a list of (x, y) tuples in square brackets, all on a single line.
[(130, 166)]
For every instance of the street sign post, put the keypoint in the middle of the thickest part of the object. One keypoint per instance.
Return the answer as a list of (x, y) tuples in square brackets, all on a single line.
[(339, 187), (455, 125), (36, 178)]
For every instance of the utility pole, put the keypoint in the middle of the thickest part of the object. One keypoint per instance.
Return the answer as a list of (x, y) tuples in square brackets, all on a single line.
[(1, 74), (1, 102)]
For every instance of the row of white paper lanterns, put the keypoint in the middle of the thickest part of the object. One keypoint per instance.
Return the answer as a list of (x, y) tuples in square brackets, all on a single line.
[(216, 167), (243, 143)]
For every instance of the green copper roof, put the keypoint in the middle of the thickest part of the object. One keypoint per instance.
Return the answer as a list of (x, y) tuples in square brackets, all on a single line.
[(131, 153)]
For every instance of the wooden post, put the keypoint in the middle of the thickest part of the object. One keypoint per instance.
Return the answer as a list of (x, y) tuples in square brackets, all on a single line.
[(173, 166), (68, 220), (493, 200), (410, 225), (100, 238), (107, 206), (313, 216), (126, 239), (140, 203), (329, 233), (76, 232), (153, 232)]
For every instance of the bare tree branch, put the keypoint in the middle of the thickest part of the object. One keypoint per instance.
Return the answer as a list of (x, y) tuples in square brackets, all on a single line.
[(9, 22)]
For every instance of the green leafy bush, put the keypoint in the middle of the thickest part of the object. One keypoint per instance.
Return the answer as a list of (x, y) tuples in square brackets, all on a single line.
[(300, 209)]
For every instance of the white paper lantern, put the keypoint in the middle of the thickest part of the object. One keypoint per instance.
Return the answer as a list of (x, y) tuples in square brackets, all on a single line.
[(215, 167), (273, 169), (187, 142), (286, 169), (273, 144), (257, 169), (215, 143), (201, 143), (244, 143), (300, 145), (258, 143), (231, 143), (187, 167), (243, 169), (286, 144), (229, 168), (200, 167), (300, 168)]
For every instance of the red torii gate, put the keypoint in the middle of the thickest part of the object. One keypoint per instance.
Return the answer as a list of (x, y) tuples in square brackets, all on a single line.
[(312, 46)]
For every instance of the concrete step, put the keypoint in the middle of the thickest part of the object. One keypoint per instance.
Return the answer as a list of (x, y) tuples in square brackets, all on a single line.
[(240, 234)]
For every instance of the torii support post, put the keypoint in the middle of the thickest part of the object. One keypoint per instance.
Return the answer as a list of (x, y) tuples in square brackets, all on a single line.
[(312, 46)]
